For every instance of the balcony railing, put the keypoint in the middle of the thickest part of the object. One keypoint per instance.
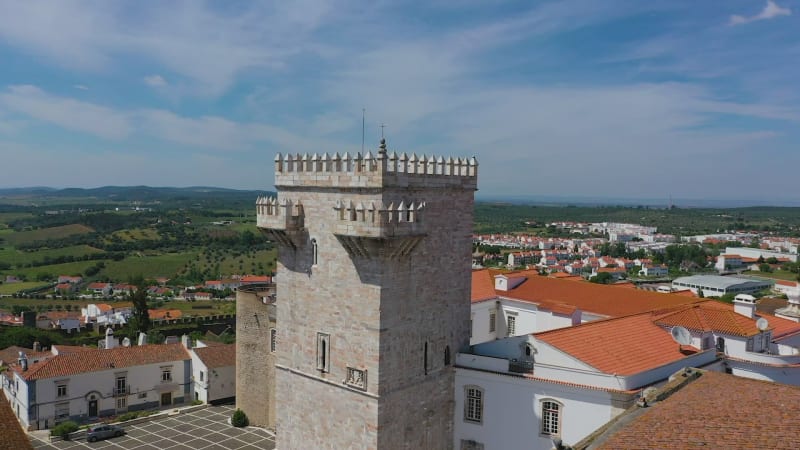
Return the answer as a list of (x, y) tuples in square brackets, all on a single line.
[(122, 390), (517, 366)]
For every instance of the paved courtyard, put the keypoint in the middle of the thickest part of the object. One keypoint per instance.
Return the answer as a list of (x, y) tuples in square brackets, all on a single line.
[(206, 429)]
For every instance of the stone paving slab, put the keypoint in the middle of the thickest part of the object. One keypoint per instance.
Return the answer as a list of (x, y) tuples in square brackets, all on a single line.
[(205, 429)]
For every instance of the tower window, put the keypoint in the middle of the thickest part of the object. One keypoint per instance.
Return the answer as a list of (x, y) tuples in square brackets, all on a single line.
[(492, 321), (425, 361), (314, 252), (447, 355), (323, 352), (273, 336)]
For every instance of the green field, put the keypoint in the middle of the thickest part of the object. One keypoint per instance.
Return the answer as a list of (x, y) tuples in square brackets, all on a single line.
[(73, 268), (219, 266), (135, 234), (166, 265), (17, 257), (23, 237), (10, 288), (778, 275)]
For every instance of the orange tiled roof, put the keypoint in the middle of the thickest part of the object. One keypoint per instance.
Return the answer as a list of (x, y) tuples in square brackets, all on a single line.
[(99, 359), (711, 316), (217, 355), (13, 436), (708, 413), (606, 300), (256, 279), (786, 283), (624, 345), (164, 313)]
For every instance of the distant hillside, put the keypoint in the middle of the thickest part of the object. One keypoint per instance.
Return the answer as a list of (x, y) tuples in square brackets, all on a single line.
[(128, 194)]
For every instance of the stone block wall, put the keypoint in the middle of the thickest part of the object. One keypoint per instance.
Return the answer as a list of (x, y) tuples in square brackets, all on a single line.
[(255, 363)]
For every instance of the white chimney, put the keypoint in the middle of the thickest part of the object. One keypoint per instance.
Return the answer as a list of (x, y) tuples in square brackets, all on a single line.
[(506, 282), (745, 305), (142, 338), (23, 361), (187, 343), (110, 342)]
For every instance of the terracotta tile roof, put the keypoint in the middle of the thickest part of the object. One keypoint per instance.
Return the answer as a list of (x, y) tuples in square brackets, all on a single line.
[(66, 349), (217, 355), (97, 285), (624, 346), (105, 307), (13, 436), (10, 354), (98, 360), (711, 316), (256, 279), (780, 327), (606, 300), (164, 313), (709, 413), (786, 283)]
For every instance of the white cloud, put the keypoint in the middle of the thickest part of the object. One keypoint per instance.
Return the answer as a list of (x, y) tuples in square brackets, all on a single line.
[(155, 81), (771, 10), (81, 87), (66, 112), (207, 47)]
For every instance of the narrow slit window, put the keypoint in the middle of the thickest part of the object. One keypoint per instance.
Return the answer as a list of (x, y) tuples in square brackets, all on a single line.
[(323, 352)]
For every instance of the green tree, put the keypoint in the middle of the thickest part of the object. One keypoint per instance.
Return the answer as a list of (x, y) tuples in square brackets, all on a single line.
[(140, 320), (602, 278)]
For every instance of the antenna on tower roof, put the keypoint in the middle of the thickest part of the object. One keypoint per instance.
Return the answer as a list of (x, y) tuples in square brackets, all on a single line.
[(363, 126)]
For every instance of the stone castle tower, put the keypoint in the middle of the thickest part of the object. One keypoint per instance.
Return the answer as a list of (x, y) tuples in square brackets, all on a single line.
[(373, 289)]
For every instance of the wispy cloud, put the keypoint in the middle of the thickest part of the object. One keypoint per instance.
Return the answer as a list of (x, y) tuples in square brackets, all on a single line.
[(771, 10), (155, 81), (81, 87), (66, 112)]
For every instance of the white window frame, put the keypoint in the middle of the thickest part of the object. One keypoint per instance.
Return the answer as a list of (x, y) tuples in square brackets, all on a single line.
[(59, 388), (122, 403), (166, 374), (551, 413), (511, 324), (492, 321), (473, 404)]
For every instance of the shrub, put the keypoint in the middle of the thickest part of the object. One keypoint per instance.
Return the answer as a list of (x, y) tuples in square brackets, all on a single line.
[(197, 402), (64, 428), (239, 419), (128, 416)]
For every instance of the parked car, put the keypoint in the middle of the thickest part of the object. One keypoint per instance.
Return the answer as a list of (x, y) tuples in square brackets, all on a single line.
[(103, 432)]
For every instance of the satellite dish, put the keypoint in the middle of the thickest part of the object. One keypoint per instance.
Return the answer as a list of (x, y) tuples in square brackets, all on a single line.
[(762, 324), (126, 342), (681, 335)]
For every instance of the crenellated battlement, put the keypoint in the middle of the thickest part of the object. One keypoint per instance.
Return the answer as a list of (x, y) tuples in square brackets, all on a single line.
[(379, 221), (384, 169), (285, 214)]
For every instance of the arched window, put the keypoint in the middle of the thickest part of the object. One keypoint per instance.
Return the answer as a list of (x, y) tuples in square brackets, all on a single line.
[(721, 344), (314, 252), (447, 355), (551, 417), (473, 404)]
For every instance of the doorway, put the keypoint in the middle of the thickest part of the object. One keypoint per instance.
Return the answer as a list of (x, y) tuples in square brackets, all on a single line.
[(92, 408), (166, 399)]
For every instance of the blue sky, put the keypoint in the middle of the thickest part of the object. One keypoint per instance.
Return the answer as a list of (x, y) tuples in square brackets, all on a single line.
[(648, 99)]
